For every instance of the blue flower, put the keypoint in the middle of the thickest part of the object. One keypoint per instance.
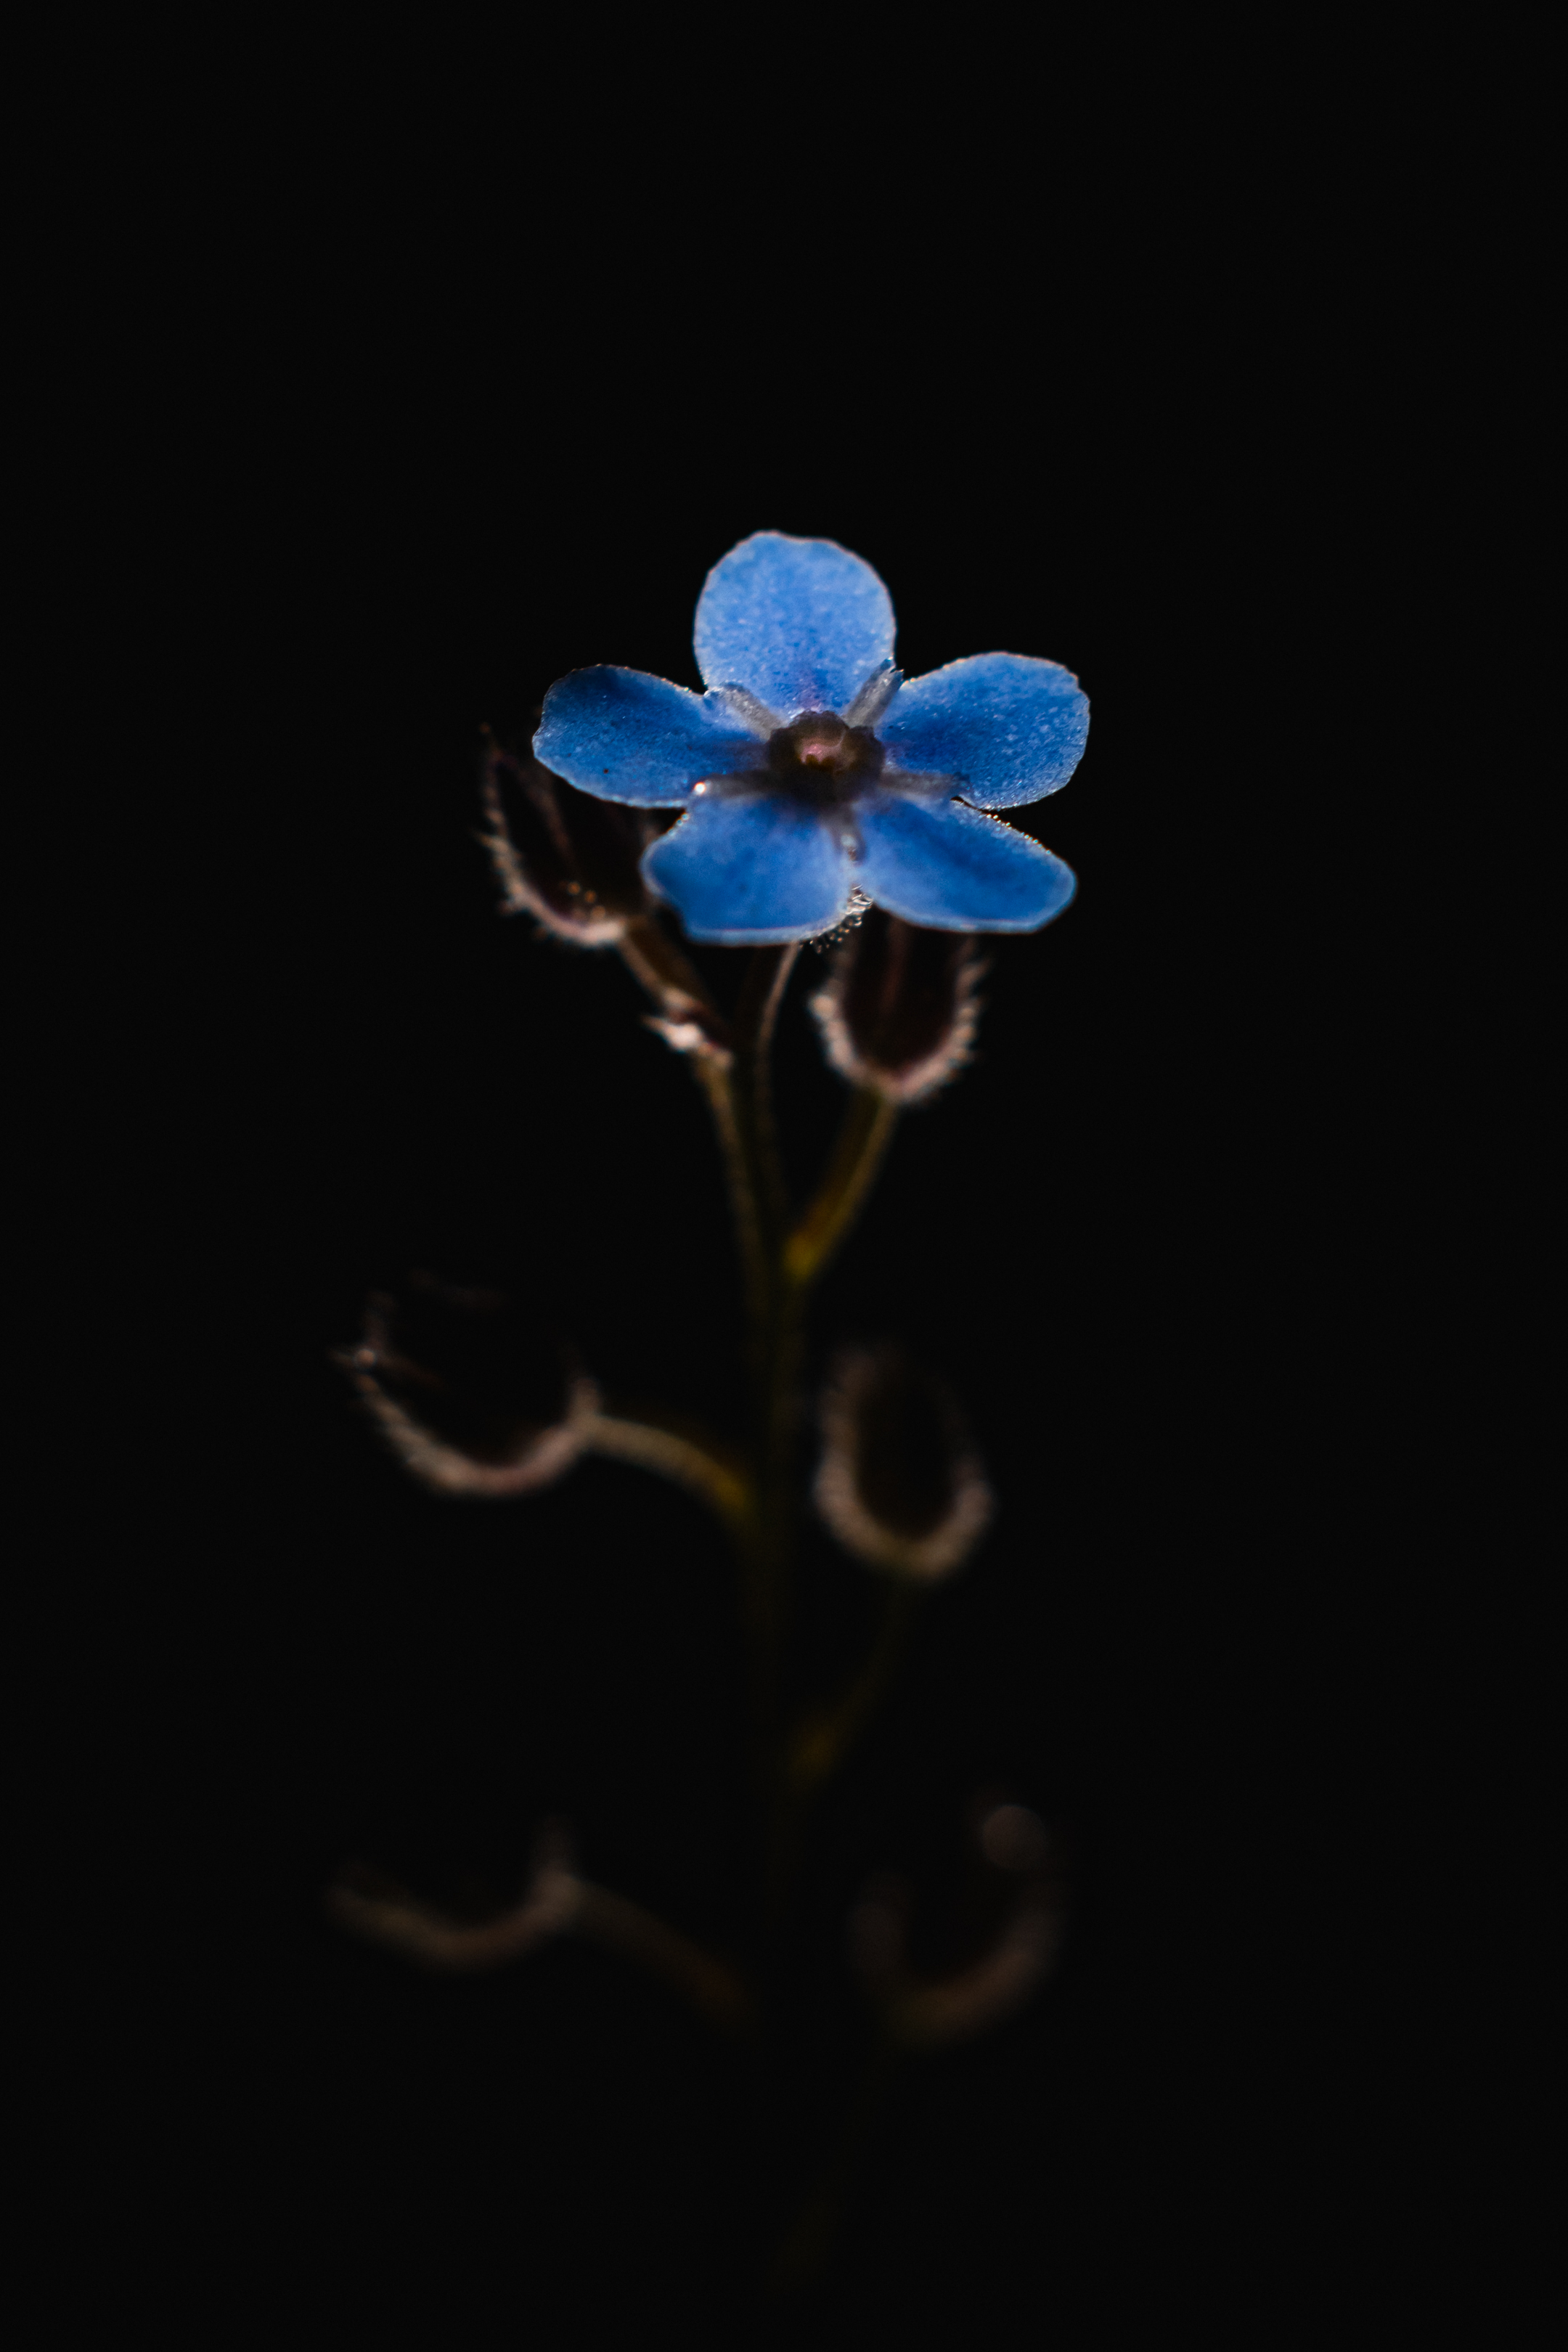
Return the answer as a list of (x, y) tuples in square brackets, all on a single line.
[(813, 775)]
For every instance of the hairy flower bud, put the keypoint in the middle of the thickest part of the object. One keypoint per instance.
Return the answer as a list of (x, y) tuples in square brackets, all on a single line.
[(899, 1008), (1004, 1930), (571, 861), (473, 1398), (899, 1484)]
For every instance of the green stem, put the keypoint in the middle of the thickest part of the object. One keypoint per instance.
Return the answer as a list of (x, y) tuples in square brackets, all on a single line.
[(781, 1262), (686, 1004), (731, 1061), (774, 1345), (558, 1903), (809, 2240), (818, 1746), (793, 1259), (755, 1020), (821, 1743), (712, 1987), (861, 1148), (717, 1081), (681, 1459)]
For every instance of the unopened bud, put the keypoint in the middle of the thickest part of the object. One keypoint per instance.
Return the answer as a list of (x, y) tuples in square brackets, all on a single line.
[(900, 1485), (1012, 1838), (570, 860), (899, 1008), (473, 1398)]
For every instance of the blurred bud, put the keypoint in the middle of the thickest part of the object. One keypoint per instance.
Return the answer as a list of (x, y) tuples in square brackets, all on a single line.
[(899, 1008), (1006, 1941), (1014, 1838), (373, 1906), (474, 1398), (900, 1484), (573, 861)]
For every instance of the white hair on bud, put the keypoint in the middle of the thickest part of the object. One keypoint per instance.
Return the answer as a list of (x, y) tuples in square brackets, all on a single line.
[(837, 1495), (545, 1455), (927, 2016), (593, 927), (921, 1079)]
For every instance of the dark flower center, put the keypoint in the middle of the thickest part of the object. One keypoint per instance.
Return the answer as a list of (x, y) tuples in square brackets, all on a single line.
[(819, 758)]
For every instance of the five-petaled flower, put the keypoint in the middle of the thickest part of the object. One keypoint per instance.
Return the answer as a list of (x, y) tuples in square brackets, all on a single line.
[(813, 775)]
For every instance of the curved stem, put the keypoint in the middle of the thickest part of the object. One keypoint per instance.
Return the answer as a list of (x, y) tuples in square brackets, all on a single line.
[(557, 1903), (619, 1924), (821, 1743), (680, 1459), (858, 1154)]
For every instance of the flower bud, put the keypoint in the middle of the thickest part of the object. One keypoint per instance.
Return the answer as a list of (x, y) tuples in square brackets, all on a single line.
[(1014, 1838), (1003, 1932), (899, 1484), (573, 861), (472, 1397), (899, 1008)]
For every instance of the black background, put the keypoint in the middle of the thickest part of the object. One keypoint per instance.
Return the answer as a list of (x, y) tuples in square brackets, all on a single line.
[(1106, 1235), (1162, 1236)]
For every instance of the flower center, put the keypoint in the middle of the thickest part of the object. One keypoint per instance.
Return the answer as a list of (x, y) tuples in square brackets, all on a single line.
[(818, 758)]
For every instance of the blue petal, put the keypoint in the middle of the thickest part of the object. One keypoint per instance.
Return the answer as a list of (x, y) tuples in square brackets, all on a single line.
[(941, 864), (753, 868), (627, 737), (1007, 727), (800, 623)]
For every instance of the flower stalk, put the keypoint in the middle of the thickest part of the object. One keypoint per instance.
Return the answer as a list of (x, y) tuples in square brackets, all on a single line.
[(775, 1338), (556, 1902), (729, 1494), (862, 1145)]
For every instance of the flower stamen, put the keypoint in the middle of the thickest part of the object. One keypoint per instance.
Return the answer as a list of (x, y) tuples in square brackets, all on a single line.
[(819, 759)]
